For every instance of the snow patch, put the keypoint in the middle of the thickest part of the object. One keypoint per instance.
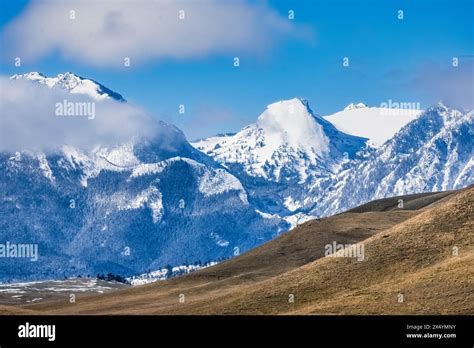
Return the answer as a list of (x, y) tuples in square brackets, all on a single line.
[(151, 198), (219, 240), (44, 166), (218, 181), (298, 219), (291, 204), (376, 124), (353, 106)]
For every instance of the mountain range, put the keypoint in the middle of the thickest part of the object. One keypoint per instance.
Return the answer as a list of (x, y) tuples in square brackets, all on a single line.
[(135, 207), (330, 171), (162, 201)]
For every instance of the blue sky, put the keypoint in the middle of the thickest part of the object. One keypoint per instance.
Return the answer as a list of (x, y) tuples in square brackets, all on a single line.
[(406, 60)]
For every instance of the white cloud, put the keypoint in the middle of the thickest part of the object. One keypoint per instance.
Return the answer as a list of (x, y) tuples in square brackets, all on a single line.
[(29, 120), (104, 32)]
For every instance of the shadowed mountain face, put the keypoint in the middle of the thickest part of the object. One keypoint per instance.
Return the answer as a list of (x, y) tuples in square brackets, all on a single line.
[(417, 260)]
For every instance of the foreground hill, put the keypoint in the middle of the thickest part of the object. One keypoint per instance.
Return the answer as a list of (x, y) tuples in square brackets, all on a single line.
[(413, 259), (410, 266)]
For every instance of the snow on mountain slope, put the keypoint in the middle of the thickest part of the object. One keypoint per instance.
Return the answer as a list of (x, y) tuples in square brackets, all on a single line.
[(353, 106), (288, 141), (434, 152), (375, 123), (72, 83), (275, 158), (415, 152), (124, 209)]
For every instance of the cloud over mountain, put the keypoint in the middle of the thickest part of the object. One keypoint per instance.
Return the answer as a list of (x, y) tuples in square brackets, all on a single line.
[(30, 121)]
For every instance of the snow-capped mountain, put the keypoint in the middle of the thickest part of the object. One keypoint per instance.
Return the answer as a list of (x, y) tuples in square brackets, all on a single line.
[(125, 209), (288, 142), (275, 157), (73, 84), (378, 124), (412, 152), (434, 152)]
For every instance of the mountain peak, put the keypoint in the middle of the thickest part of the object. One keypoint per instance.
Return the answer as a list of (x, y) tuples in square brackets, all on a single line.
[(34, 75), (291, 122), (69, 75), (73, 83), (289, 105), (352, 106), (441, 106), (287, 141)]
